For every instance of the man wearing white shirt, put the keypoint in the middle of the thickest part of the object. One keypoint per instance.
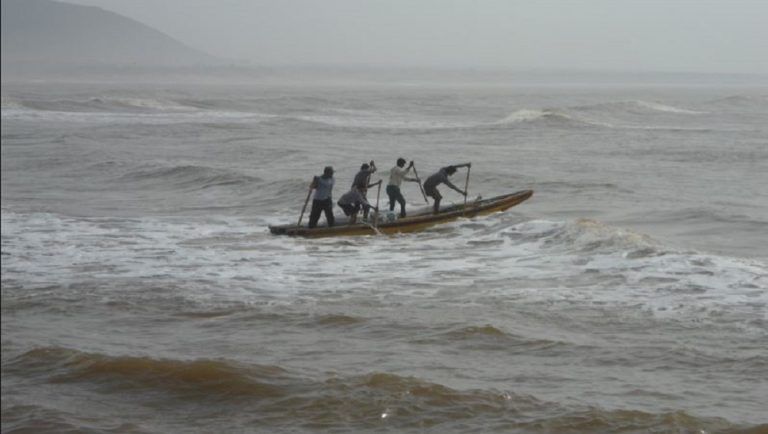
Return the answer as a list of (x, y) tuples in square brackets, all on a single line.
[(396, 177)]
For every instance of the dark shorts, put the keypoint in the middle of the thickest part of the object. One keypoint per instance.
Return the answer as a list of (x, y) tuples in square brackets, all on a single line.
[(350, 209), (433, 193)]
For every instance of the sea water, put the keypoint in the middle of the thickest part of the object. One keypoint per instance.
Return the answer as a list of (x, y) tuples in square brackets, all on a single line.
[(142, 291)]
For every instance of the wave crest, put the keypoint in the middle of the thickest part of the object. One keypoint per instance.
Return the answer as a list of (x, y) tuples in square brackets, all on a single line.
[(190, 176), (665, 108), (120, 373), (591, 236), (549, 117)]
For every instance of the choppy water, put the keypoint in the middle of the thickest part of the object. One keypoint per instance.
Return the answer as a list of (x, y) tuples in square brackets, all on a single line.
[(141, 291)]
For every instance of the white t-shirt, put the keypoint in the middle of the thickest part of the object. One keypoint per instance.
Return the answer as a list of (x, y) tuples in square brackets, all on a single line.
[(397, 175)]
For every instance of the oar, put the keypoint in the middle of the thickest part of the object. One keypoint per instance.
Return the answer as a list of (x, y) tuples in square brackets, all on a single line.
[(466, 186), (376, 217), (304, 208), (375, 229), (420, 186)]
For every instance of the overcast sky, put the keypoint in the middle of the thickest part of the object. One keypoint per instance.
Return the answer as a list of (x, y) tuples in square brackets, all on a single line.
[(634, 35)]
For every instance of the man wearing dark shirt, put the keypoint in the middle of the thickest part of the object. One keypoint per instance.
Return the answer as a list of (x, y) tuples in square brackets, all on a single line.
[(351, 202), (441, 177), (362, 182)]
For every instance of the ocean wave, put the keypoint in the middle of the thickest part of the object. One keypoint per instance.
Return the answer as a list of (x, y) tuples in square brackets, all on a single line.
[(121, 110), (617, 108), (373, 122), (599, 115), (571, 261), (527, 115), (337, 320), (662, 280), (373, 400), (117, 374), (329, 115), (666, 108), (580, 187), (490, 338), (40, 419), (471, 331), (592, 236), (226, 379), (106, 104), (741, 102), (189, 176), (548, 116), (597, 420)]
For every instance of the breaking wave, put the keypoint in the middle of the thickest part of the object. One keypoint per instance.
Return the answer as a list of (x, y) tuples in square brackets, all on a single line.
[(314, 113), (585, 235), (665, 108), (552, 117), (599, 115)]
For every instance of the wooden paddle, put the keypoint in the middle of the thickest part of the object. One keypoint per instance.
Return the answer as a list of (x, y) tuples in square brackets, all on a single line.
[(466, 186), (376, 216), (420, 186), (374, 228), (304, 208)]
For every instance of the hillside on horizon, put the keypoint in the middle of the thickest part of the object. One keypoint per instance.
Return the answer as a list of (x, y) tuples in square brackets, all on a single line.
[(51, 35)]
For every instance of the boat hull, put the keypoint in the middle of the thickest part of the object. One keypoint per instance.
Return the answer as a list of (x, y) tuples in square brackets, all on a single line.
[(414, 223)]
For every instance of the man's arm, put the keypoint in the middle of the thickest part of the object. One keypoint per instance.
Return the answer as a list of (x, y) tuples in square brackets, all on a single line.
[(449, 184), (359, 198), (407, 171)]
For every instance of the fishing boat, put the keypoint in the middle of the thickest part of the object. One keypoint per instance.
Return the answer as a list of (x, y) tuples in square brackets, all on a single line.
[(415, 222)]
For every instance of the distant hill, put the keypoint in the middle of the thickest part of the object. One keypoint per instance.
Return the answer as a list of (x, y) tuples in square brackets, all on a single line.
[(49, 34)]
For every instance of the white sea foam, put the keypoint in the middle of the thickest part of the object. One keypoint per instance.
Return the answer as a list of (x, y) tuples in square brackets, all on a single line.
[(139, 103), (666, 108), (551, 261), (527, 115)]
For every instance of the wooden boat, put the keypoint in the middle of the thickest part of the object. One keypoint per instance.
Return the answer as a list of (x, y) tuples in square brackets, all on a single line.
[(412, 223)]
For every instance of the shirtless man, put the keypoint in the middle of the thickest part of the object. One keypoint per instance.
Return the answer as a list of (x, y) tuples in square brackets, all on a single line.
[(441, 177)]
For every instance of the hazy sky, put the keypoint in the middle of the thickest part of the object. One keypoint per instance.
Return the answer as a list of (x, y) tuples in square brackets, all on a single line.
[(635, 35)]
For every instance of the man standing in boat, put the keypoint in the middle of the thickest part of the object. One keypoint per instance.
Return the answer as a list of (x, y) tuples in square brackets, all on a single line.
[(396, 177), (362, 182), (441, 177), (322, 202)]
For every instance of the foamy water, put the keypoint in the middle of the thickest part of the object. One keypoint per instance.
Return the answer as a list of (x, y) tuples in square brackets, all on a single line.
[(142, 292)]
